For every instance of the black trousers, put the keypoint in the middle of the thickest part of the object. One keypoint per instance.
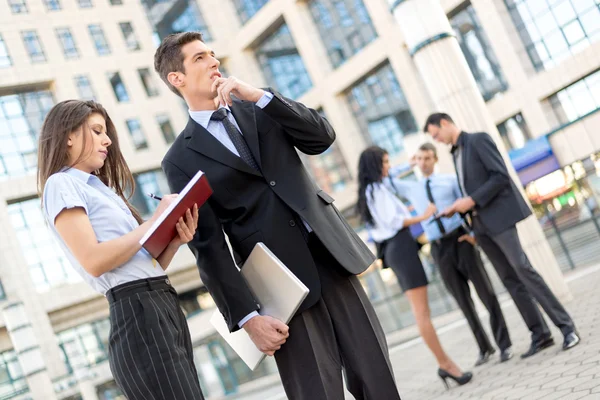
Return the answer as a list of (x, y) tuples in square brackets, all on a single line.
[(523, 282), (150, 348), (459, 263), (341, 331)]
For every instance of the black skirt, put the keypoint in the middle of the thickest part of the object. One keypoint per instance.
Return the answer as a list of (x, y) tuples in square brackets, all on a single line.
[(401, 254)]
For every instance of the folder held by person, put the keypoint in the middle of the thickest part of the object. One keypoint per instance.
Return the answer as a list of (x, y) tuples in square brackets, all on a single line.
[(160, 234), (277, 290)]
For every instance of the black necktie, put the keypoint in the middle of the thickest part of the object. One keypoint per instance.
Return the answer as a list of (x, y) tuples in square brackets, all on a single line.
[(430, 197), (236, 137)]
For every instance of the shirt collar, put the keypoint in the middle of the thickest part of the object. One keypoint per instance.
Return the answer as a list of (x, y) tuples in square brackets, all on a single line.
[(203, 117), (77, 173), (460, 142)]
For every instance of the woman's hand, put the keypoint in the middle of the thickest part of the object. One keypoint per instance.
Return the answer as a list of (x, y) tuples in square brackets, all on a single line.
[(187, 228), (431, 210), (163, 205)]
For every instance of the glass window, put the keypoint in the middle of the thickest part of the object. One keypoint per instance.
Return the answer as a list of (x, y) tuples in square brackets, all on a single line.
[(577, 99), (551, 30), (137, 134), (118, 87), (185, 16), (380, 107), (21, 117), (85, 345), (68, 43), (247, 8), (85, 3), (149, 82), (165, 127), (351, 31), (12, 380), (47, 262), (154, 182), (282, 65), (514, 132), (84, 87), (476, 48), (5, 60), (100, 42), (33, 46), (129, 35), (18, 6), (52, 5)]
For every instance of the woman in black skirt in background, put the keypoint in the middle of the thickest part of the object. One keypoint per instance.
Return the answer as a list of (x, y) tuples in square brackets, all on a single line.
[(388, 221)]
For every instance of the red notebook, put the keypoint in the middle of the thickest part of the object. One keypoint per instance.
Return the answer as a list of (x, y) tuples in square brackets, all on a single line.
[(160, 234)]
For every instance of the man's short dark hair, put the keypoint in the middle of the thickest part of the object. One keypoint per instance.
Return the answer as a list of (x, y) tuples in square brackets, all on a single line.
[(428, 147), (436, 119), (169, 58)]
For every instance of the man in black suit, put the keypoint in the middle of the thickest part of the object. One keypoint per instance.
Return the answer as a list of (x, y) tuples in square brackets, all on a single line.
[(246, 146), (495, 206)]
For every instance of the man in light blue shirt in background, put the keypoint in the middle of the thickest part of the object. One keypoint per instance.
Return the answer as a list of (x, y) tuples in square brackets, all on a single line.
[(453, 248)]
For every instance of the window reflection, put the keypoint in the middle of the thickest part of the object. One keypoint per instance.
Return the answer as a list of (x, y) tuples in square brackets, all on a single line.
[(381, 109), (552, 30), (282, 65)]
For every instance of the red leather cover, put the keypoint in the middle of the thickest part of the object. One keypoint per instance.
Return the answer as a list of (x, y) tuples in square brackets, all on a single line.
[(166, 232)]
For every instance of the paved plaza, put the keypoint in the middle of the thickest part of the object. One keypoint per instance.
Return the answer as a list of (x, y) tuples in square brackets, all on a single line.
[(549, 375)]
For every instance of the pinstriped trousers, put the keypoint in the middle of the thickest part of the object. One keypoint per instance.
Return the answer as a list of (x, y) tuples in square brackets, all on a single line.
[(150, 348)]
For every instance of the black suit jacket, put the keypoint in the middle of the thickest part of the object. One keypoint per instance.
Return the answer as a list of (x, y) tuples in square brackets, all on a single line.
[(251, 207), (498, 202)]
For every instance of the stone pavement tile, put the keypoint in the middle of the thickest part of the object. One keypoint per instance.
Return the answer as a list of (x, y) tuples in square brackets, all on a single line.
[(574, 396), (520, 393), (556, 395), (558, 381), (592, 359), (577, 369), (539, 395), (578, 384), (555, 369), (536, 381), (590, 397), (591, 370)]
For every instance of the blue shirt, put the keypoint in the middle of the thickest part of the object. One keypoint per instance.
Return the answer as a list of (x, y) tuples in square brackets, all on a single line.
[(217, 129), (444, 190), (110, 219)]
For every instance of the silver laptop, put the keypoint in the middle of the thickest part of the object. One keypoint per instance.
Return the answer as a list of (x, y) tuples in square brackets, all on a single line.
[(278, 291)]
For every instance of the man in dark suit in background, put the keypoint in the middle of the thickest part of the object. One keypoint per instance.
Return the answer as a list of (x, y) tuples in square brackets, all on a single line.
[(496, 205), (246, 146)]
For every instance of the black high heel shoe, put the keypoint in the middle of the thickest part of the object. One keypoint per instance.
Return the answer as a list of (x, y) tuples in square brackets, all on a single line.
[(460, 380)]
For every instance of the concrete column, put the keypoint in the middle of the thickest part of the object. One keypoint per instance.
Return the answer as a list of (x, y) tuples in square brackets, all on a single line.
[(437, 55), (87, 389)]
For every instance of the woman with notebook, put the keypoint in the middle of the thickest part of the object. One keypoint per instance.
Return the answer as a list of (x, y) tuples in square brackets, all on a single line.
[(83, 178), (388, 220)]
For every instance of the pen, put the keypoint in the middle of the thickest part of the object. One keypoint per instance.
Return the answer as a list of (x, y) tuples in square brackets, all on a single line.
[(152, 195)]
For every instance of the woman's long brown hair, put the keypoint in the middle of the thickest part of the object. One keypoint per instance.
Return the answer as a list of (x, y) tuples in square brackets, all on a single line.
[(69, 116)]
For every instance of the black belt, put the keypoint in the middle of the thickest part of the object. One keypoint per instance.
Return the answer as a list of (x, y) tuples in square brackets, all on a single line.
[(457, 232), (141, 285)]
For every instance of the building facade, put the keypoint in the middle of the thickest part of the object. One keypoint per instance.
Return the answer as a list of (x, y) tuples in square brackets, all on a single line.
[(536, 64)]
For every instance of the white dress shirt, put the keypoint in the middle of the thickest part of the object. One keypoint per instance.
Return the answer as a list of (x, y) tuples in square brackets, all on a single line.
[(388, 212)]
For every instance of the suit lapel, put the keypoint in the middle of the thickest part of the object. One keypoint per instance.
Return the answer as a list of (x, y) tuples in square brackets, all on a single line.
[(244, 115), (203, 142), (465, 153)]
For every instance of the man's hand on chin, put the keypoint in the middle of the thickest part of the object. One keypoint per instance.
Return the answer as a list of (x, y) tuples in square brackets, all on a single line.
[(225, 87), (267, 333)]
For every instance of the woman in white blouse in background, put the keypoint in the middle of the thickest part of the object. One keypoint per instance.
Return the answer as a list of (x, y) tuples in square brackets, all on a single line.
[(387, 220)]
